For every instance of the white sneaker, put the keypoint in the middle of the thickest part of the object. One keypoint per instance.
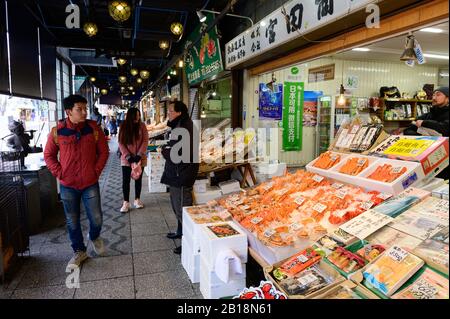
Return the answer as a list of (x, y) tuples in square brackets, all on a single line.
[(125, 207), (77, 260), (138, 204), (98, 245)]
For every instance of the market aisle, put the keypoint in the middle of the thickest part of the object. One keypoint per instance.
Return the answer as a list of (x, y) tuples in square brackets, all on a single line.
[(139, 262)]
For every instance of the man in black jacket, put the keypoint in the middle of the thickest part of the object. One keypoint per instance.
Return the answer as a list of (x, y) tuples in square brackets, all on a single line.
[(437, 119), (180, 171)]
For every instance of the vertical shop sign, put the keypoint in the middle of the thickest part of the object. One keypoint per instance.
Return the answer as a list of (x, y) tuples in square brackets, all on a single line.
[(204, 60), (293, 116)]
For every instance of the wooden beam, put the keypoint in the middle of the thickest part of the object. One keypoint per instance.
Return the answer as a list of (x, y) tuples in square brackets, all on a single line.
[(402, 22)]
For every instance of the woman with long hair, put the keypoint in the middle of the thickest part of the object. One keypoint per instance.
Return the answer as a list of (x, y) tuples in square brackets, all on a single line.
[(133, 141)]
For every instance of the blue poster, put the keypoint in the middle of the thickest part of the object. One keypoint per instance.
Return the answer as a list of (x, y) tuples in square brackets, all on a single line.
[(271, 102)]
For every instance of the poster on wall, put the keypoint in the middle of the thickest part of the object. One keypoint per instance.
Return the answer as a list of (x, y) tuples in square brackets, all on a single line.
[(293, 116), (310, 107), (204, 60), (270, 102)]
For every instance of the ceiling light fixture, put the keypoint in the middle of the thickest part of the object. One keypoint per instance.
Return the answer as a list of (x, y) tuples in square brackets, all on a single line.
[(90, 28), (144, 74), (119, 10), (341, 99), (104, 91), (409, 54), (122, 79), (168, 77), (92, 79), (164, 45), (436, 56), (431, 30), (361, 49), (139, 80), (181, 64), (201, 16), (130, 88), (121, 61), (230, 15), (134, 72), (176, 28)]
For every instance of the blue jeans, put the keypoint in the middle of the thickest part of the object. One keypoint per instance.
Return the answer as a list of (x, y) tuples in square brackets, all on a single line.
[(71, 199)]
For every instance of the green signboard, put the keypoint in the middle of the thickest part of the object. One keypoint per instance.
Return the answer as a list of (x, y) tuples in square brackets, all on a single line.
[(293, 115), (204, 60)]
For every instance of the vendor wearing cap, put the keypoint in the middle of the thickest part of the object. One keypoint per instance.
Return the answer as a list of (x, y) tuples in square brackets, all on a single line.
[(437, 119)]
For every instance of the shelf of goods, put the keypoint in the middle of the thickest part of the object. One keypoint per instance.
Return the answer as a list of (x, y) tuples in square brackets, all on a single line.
[(402, 109)]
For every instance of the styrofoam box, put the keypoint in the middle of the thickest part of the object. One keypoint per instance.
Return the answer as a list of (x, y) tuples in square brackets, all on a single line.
[(209, 272), (190, 261), (272, 170), (210, 194), (413, 174), (326, 172), (211, 245), (216, 291), (334, 171), (230, 187), (200, 188)]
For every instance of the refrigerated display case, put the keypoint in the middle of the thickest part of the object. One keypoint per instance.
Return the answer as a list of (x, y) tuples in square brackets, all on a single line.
[(325, 123)]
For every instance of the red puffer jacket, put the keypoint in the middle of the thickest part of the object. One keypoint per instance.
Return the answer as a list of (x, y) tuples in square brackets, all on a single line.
[(83, 152)]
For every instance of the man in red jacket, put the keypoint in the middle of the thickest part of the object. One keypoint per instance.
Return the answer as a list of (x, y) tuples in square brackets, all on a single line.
[(83, 152)]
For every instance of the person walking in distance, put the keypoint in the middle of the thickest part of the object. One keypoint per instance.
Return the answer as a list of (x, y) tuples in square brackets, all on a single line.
[(83, 153), (133, 141), (179, 175)]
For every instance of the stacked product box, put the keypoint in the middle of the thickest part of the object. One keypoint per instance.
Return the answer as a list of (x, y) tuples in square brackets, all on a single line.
[(193, 217), (156, 164), (215, 240)]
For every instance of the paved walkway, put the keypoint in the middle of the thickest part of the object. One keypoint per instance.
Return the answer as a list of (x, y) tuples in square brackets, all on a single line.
[(139, 262)]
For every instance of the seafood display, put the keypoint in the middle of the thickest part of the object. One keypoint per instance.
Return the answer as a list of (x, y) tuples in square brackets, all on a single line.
[(354, 166), (387, 173), (298, 206), (327, 160)]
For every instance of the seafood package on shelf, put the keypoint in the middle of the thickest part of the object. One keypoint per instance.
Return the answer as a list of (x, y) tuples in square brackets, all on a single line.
[(296, 207), (303, 275), (327, 160)]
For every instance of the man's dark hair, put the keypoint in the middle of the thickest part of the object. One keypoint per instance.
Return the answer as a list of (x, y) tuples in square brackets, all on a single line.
[(71, 100), (179, 106)]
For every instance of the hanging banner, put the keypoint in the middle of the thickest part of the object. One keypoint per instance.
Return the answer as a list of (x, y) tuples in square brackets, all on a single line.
[(204, 60), (293, 20), (293, 116), (270, 102)]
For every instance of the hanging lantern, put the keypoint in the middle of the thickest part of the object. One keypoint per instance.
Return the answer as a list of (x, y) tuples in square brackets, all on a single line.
[(144, 74), (104, 91), (181, 64), (122, 79), (164, 45), (134, 72), (92, 79), (121, 61), (90, 28), (122, 88), (119, 10), (139, 80), (168, 77), (176, 28), (130, 88)]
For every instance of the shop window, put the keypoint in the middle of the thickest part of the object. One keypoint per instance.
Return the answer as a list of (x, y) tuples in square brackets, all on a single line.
[(63, 85)]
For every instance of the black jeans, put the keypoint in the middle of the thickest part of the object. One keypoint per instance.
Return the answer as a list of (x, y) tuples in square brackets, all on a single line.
[(126, 179), (179, 198)]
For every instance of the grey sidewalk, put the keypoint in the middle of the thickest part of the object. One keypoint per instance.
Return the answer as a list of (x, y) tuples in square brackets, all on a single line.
[(139, 262)]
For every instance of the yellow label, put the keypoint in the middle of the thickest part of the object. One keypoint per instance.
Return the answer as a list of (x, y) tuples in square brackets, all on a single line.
[(408, 147)]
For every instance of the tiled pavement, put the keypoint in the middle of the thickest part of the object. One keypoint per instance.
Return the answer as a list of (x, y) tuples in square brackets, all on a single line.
[(139, 262)]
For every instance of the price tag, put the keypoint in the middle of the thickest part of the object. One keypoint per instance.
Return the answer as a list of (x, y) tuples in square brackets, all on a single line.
[(256, 220), (269, 233), (361, 162), (397, 253), (295, 226), (333, 157), (423, 290), (397, 169), (248, 212), (367, 205), (268, 186), (320, 208), (340, 213), (341, 193), (384, 196), (306, 280), (224, 215), (245, 207), (302, 258), (238, 202), (300, 200), (337, 185), (318, 178), (282, 192)]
